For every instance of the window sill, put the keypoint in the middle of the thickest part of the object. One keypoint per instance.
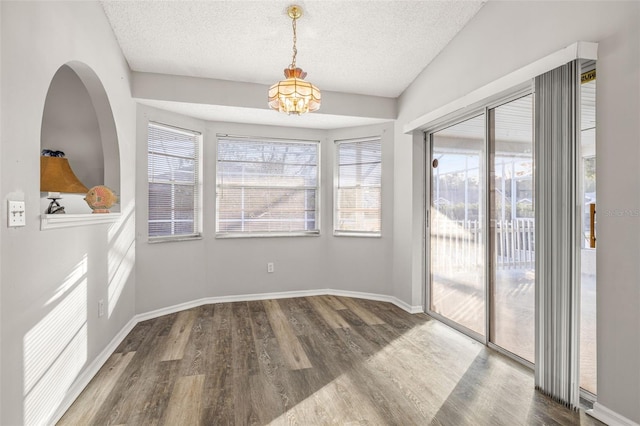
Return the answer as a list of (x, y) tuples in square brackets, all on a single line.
[(232, 235), (357, 234), (55, 221), (158, 240)]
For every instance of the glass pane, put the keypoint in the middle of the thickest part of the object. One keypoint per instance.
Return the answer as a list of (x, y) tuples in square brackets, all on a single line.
[(159, 229), (588, 261), (266, 210), (358, 209), (172, 170), (457, 236), (171, 209), (357, 200), (266, 186), (512, 228)]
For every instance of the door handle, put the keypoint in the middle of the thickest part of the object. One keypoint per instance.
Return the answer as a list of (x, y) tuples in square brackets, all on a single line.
[(592, 225)]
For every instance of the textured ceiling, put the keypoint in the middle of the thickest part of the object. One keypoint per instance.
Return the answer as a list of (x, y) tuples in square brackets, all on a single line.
[(362, 47), (365, 47)]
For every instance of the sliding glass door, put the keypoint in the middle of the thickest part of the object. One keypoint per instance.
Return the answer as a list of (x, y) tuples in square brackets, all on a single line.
[(512, 290), (481, 279), (457, 243)]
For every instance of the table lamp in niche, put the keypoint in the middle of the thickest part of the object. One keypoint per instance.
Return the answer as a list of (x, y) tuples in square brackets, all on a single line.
[(100, 199), (56, 177)]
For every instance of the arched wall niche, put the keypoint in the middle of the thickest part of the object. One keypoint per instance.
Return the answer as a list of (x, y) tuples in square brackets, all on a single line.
[(77, 119)]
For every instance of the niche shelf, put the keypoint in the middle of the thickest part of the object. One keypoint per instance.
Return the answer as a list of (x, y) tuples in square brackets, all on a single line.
[(56, 221)]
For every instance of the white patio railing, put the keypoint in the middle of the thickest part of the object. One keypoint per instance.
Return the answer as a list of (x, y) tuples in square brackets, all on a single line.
[(459, 243)]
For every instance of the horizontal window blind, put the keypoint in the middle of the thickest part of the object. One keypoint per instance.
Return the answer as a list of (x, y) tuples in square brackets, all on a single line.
[(173, 177), (267, 187), (358, 190)]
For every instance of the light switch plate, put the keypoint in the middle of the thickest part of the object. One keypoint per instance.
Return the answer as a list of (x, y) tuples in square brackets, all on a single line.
[(16, 214)]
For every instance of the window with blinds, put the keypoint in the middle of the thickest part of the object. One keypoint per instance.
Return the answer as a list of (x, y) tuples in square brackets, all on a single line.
[(174, 182), (357, 196), (267, 187)]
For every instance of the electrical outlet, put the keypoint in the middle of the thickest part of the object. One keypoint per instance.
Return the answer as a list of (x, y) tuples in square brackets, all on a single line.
[(16, 214), (100, 307), (270, 267)]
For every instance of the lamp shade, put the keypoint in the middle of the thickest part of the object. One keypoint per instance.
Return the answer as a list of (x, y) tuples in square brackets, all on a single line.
[(56, 176)]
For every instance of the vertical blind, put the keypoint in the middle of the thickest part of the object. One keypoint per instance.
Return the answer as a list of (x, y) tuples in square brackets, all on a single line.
[(267, 186), (358, 190), (557, 234), (173, 177)]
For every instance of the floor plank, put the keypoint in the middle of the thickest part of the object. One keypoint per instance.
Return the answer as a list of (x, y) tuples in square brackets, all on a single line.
[(328, 313), (354, 305), (289, 344), (135, 383), (193, 359), (186, 401), (161, 383), (85, 408), (178, 336), (244, 365), (334, 302), (218, 399)]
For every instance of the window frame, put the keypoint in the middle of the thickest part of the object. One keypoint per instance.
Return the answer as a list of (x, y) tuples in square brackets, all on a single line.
[(268, 234), (197, 186), (336, 186)]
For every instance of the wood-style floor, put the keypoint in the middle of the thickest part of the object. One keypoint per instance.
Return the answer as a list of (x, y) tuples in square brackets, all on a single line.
[(310, 361)]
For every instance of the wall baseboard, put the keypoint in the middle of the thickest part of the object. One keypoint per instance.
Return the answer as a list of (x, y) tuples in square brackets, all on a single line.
[(412, 309), (609, 416), (278, 295), (92, 369), (225, 299)]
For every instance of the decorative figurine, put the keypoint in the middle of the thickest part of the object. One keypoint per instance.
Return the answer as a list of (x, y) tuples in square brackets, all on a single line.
[(100, 198), (52, 153)]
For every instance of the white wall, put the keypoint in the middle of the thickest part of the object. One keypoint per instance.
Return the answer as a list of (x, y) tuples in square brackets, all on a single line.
[(51, 280), (170, 273), (501, 38), (363, 264)]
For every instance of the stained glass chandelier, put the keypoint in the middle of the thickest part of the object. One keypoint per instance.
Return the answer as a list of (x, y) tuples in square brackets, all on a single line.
[(294, 95)]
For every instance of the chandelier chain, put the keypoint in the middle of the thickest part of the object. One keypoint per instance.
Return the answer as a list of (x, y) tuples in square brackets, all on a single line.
[(295, 49)]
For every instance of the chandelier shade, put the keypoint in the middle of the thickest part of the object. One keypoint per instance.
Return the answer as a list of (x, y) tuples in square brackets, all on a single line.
[(294, 95)]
